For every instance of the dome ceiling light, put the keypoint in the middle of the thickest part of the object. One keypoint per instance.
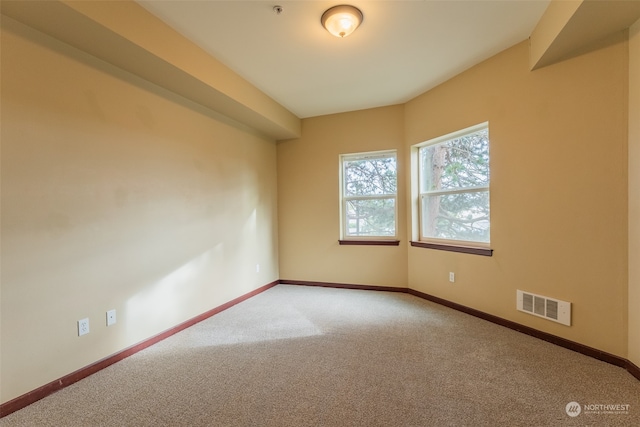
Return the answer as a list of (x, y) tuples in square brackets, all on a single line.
[(341, 20)]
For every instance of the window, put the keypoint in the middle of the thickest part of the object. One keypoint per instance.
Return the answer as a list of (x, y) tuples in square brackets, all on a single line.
[(369, 195), (453, 174)]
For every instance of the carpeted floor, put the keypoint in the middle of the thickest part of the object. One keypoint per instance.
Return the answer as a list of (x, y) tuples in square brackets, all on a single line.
[(308, 356)]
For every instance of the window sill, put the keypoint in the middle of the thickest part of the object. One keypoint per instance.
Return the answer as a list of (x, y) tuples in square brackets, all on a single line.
[(453, 248), (370, 242)]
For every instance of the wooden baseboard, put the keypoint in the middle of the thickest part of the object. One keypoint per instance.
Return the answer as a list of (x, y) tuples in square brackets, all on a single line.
[(343, 286), (633, 369), (47, 389), (562, 342)]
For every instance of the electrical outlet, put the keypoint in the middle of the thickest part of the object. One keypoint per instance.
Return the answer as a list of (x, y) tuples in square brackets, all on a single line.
[(452, 276), (111, 317), (83, 326), (257, 268)]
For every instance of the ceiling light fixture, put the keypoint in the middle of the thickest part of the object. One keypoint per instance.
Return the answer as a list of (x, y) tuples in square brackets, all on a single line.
[(341, 20)]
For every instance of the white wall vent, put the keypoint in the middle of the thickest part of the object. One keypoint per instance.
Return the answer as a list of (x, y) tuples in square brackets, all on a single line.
[(549, 308)]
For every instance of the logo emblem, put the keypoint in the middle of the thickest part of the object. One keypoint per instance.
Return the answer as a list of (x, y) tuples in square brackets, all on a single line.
[(573, 409)]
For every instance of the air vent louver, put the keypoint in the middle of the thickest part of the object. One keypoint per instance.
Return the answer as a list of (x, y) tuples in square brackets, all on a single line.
[(541, 306)]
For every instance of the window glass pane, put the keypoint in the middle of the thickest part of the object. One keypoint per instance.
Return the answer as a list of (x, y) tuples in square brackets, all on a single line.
[(371, 217), (460, 216), (458, 163), (370, 177)]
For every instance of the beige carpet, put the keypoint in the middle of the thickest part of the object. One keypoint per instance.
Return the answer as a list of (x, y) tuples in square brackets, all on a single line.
[(306, 356)]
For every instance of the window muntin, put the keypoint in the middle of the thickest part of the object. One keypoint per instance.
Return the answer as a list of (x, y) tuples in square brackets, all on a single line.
[(454, 178), (369, 195)]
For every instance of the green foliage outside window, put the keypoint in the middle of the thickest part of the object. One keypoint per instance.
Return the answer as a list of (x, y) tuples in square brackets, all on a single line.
[(370, 186), (454, 188)]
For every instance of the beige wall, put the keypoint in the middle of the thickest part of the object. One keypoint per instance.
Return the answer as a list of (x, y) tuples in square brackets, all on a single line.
[(558, 189), (634, 194), (559, 192), (309, 206), (117, 194)]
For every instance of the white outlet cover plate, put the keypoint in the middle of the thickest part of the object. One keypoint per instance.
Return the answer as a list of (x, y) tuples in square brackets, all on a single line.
[(111, 317), (83, 326)]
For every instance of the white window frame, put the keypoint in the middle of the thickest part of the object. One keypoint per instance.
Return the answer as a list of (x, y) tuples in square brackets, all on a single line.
[(423, 194), (344, 199)]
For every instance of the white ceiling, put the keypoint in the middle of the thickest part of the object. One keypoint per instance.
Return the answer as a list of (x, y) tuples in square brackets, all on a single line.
[(402, 48)]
